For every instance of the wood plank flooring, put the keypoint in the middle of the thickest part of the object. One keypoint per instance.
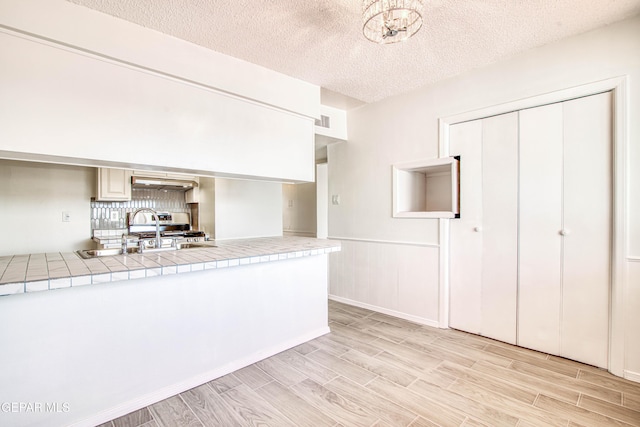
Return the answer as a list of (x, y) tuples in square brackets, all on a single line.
[(377, 370)]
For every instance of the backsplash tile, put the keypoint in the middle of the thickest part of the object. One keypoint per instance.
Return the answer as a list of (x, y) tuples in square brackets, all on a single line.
[(159, 200)]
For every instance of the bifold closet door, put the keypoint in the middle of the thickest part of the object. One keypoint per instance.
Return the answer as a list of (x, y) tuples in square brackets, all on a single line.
[(499, 228), (565, 228), (465, 309), (483, 273), (540, 248), (587, 224)]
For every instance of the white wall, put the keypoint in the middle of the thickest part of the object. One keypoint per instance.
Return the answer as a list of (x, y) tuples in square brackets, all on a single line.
[(245, 209), (32, 199), (405, 128), (299, 209), (207, 206)]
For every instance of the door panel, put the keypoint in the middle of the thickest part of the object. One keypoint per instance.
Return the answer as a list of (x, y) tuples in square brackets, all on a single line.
[(587, 221), (539, 293), (500, 226), (466, 244)]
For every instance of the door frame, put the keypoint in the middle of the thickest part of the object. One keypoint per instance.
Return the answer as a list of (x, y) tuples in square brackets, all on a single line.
[(619, 87)]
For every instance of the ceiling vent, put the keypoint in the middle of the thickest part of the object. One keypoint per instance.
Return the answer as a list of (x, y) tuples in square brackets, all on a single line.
[(324, 122)]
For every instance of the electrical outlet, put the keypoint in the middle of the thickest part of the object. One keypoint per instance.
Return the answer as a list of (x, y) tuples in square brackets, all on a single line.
[(66, 217), (290, 203), (114, 216)]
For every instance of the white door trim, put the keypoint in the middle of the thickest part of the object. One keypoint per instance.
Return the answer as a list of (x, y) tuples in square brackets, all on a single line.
[(619, 248)]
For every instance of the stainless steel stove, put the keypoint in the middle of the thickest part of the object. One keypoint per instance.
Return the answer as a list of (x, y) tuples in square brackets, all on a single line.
[(143, 229)]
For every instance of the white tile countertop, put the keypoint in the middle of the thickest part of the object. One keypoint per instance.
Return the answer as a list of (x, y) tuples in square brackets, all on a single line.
[(42, 272)]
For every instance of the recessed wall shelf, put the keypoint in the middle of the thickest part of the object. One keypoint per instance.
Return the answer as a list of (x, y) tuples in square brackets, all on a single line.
[(427, 188)]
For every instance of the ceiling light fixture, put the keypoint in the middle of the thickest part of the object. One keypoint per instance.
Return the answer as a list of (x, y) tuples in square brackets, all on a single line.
[(391, 21)]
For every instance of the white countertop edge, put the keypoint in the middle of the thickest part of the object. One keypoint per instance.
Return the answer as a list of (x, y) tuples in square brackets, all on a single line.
[(118, 276)]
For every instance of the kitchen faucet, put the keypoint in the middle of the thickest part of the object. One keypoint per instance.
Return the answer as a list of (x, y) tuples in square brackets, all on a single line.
[(155, 215)]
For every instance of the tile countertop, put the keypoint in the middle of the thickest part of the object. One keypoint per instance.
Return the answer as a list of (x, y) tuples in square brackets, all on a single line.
[(42, 272)]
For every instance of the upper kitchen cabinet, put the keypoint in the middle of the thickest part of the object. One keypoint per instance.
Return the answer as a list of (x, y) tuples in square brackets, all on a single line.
[(114, 184), (94, 102)]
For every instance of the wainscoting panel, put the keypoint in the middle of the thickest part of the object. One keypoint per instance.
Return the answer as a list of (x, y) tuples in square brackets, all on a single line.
[(390, 277)]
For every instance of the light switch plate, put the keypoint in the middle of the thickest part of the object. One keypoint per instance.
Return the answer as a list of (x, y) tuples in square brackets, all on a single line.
[(66, 217), (335, 199)]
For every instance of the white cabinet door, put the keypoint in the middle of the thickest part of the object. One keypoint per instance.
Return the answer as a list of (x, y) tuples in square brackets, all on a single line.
[(114, 184), (499, 226), (540, 224), (587, 224), (466, 239)]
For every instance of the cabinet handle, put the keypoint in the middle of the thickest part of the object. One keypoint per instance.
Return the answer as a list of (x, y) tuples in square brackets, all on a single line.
[(477, 229), (565, 232)]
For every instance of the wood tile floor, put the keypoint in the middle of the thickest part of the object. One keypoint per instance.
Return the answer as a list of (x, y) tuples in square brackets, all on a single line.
[(376, 370)]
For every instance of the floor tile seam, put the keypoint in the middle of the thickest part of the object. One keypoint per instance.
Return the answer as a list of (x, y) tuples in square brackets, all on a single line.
[(189, 407), (358, 330), (572, 418), (424, 352), (377, 395), (313, 404), (572, 385), (255, 365), (607, 414), (382, 362), (525, 383), (553, 363), (625, 398), (505, 397), (344, 360), (311, 362), (611, 416), (515, 348), (208, 383), (290, 388), (622, 393), (461, 354), (456, 409), (491, 405)]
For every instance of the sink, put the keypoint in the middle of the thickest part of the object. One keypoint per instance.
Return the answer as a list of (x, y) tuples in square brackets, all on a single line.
[(93, 253)]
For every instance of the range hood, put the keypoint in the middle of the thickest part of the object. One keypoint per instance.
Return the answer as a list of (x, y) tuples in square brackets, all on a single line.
[(162, 183)]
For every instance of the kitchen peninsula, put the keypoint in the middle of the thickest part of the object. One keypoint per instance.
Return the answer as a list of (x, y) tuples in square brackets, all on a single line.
[(112, 334), (102, 337)]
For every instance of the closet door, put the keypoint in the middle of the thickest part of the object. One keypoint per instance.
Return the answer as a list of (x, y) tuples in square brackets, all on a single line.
[(565, 228), (540, 245), (587, 188), (465, 140), (499, 227), (484, 238)]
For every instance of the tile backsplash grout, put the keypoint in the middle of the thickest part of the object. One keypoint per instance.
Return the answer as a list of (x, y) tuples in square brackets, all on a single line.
[(160, 200)]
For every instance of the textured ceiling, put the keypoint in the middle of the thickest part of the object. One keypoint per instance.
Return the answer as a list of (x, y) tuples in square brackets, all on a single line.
[(321, 42)]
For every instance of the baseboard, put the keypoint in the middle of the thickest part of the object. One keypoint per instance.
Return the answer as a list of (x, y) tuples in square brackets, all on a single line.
[(401, 315), (299, 233), (172, 390), (632, 376)]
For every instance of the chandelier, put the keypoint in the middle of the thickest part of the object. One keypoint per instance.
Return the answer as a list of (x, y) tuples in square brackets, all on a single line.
[(391, 21)]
